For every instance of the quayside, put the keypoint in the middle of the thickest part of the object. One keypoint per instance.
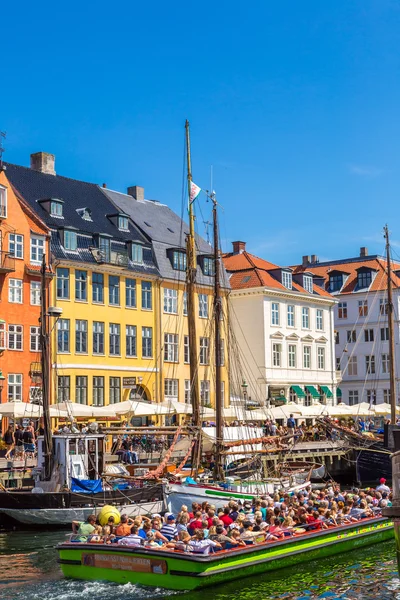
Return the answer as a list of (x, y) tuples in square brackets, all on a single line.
[(177, 570)]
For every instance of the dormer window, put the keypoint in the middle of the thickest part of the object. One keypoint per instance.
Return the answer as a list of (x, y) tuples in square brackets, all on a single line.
[(56, 208), (3, 202), (179, 260), (308, 283), (208, 266), (335, 282), (70, 240), (137, 253), (104, 245), (364, 279), (85, 213), (123, 223), (287, 279)]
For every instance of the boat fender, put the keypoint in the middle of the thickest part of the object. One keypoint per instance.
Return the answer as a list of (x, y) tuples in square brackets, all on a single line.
[(106, 512)]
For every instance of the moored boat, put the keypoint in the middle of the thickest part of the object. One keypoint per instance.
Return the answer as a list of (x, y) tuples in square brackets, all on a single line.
[(177, 570)]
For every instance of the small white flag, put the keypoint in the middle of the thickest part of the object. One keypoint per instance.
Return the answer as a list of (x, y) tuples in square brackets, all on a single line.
[(194, 191)]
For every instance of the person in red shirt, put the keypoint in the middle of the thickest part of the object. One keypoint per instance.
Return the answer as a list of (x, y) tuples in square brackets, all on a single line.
[(210, 517), (195, 523), (226, 519)]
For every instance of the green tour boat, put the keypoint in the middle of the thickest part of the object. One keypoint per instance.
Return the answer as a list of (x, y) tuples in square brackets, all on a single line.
[(178, 570)]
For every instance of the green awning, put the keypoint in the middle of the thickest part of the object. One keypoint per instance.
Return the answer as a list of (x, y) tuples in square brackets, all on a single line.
[(314, 393), (281, 399), (338, 393), (298, 391), (326, 391)]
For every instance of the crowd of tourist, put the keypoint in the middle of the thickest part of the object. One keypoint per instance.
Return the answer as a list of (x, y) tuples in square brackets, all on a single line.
[(206, 528)]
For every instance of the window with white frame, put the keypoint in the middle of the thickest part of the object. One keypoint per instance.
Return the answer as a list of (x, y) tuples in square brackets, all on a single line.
[(362, 308), (98, 288), (370, 364), (292, 362), (137, 254), (130, 293), (187, 391), (81, 389), (35, 394), (14, 381), (203, 306), (113, 290), (305, 317), (147, 342), (56, 209), (287, 279), (319, 319), (3, 202), (290, 315), (147, 295), (170, 301), (204, 350), (35, 293), (37, 248), (277, 355), (368, 335), (98, 337), (15, 337), (307, 357), (115, 339), (34, 339), (131, 340), (63, 335), (81, 336), (208, 266), (3, 336), (62, 283), (308, 283), (386, 396), (15, 291), (342, 310), (371, 397), (353, 397), (123, 223), (185, 307), (383, 306), (16, 245), (205, 392), (171, 351), (352, 367), (70, 240), (384, 334), (321, 357), (351, 336), (171, 389), (98, 391), (179, 260), (80, 285), (115, 390), (186, 355), (63, 388), (274, 313), (385, 363)]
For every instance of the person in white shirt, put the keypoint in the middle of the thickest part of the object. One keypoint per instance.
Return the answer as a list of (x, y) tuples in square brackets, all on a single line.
[(382, 487)]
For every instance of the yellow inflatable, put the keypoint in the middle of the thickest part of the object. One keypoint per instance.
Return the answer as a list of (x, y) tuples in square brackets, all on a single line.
[(106, 512)]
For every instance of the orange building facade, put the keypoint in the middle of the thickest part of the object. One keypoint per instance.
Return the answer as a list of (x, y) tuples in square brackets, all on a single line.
[(23, 240)]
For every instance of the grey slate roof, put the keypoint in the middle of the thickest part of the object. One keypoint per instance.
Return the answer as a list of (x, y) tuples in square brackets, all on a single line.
[(166, 230), (34, 186)]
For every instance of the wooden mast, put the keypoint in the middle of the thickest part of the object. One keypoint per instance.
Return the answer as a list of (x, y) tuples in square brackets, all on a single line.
[(191, 300), (45, 363), (392, 357), (218, 467)]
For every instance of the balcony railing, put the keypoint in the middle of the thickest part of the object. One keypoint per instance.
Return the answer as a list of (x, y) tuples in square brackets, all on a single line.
[(7, 262)]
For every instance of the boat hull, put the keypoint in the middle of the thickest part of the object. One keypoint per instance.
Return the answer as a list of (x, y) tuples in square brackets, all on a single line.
[(181, 571)]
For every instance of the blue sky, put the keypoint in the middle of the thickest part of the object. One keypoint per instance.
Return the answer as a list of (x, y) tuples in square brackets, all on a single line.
[(295, 104)]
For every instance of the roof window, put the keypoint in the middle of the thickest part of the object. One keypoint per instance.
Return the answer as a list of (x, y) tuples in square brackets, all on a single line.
[(287, 279), (85, 213), (364, 279), (179, 260), (308, 283), (123, 223), (137, 253)]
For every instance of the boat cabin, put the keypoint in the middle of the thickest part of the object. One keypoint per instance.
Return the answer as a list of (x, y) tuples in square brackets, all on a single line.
[(78, 456)]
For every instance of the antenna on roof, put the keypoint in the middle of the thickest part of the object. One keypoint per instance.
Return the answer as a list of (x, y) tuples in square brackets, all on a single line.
[(3, 136)]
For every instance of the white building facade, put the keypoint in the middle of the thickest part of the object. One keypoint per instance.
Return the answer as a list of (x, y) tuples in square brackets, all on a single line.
[(284, 325)]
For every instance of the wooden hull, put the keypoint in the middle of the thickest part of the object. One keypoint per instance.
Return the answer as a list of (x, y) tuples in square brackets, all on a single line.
[(184, 571)]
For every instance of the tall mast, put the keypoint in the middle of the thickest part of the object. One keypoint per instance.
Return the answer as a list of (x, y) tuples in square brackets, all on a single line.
[(391, 330), (45, 362), (218, 468), (191, 300)]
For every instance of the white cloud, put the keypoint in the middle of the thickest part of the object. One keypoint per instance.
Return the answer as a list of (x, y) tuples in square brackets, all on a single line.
[(366, 170)]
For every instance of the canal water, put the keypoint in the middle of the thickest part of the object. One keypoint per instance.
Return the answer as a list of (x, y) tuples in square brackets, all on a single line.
[(29, 571)]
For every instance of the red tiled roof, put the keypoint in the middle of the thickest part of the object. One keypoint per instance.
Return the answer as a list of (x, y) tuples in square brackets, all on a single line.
[(350, 268), (249, 271)]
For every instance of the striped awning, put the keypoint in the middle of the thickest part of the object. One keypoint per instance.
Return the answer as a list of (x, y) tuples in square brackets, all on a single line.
[(298, 391), (326, 391), (313, 391)]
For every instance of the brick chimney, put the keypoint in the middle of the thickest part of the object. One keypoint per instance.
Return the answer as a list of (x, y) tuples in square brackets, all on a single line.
[(305, 261), (363, 251), (137, 192), (314, 258), (43, 162), (238, 247)]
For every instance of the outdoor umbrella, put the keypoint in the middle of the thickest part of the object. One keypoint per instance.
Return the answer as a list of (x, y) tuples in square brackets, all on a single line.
[(73, 409)]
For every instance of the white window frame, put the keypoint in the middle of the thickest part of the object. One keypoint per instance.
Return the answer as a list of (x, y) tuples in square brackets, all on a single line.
[(292, 356), (203, 306), (171, 347), (70, 240), (147, 334), (187, 391), (276, 354), (370, 366), (131, 340), (123, 223), (385, 363), (14, 387), (275, 313), (98, 337), (204, 351), (185, 305), (35, 293), (98, 390), (81, 285), (305, 317), (291, 315), (342, 310), (319, 319), (16, 337), (386, 396), (186, 351), (16, 245), (371, 397), (114, 390), (3, 202), (352, 366), (81, 336), (130, 293), (306, 357), (114, 339), (363, 308), (353, 397), (137, 254), (38, 248), (287, 279), (204, 392), (171, 389), (308, 283), (63, 325), (56, 208), (170, 301), (321, 357), (3, 336), (34, 338), (15, 291)]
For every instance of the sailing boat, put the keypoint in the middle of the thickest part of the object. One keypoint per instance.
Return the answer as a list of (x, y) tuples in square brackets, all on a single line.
[(69, 481)]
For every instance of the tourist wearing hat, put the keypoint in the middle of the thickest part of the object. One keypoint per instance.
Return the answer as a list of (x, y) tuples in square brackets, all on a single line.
[(382, 487)]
